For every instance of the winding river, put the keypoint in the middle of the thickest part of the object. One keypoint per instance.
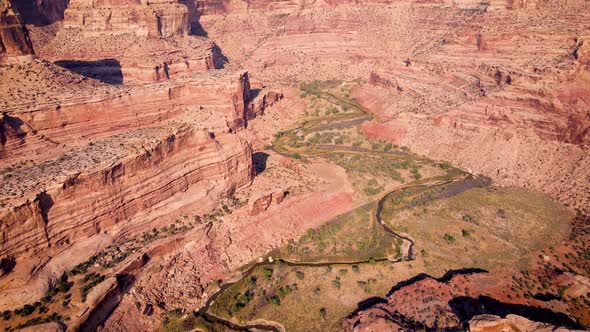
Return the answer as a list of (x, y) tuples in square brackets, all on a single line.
[(317, 125)]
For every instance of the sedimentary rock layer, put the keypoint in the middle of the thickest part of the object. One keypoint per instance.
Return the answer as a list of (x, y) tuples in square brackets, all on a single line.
[(217, 101), (15, 45), (497, 76), (126, 181), (41, 12), (129, 59), (153, 19)]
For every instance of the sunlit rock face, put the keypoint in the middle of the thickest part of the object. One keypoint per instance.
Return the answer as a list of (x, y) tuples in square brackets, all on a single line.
[(153, 19), (15, 45)]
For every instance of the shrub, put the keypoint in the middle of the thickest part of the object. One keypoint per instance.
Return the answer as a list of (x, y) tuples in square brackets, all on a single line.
[(274, 300), (300, 275), (283, 291), (336, 283), (387, 147), (323, 313), (355, 268), (26, 310), (267, 272), (470, 219), (466, 233), (6, 314), (445, 165), (449, 238), (91, 280)]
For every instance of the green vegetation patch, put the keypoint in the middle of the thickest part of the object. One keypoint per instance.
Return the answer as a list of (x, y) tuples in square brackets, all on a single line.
[(485, 227), (351, 237)]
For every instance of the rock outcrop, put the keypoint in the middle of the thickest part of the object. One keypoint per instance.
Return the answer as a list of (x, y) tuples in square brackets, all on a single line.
[(512, 323), (47, 219), (15, 45), (128, 59), (152, 19), (130, 42), (41, 12), (114, 186), (460, 298), (453, 82), (34, 120), (262, 203)]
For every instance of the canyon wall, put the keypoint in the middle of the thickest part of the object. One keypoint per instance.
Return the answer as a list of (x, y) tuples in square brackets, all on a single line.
[(154, 19), (460, 77), (28, 125), (130, 42), (15, 45), (41, 12), (131, 60), (90, 194), (185, 167)]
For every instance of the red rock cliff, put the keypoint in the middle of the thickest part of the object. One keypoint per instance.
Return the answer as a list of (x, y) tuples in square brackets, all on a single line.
[(154, 19), (15, 45)]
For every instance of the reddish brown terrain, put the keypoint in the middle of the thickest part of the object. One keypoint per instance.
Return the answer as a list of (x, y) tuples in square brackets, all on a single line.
[(220, 165)]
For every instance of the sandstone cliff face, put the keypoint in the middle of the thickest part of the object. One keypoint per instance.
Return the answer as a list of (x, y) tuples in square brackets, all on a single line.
[(493, 323), (41, 12), (132, 60), (218, 102), (130, 42), (125, 189), (455, 81), (154, 19), (15, 45), (83, 204)]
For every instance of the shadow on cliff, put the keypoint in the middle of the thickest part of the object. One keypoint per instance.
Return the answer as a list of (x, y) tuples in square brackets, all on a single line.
[(194, 15), (445, 278), (7, 264), (219, 59), (106, 70), (259, 160), (102, 311), (198, 8), (41, 12), (373, 301), (465, 308)]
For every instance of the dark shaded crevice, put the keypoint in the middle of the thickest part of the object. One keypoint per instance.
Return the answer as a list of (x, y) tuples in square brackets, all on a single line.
[(44, 203), (107, 70), (259, 160), (465, 308), (41, 12)]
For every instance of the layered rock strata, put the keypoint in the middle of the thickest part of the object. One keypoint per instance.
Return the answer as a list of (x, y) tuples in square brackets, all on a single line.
[(153, 19), (15, 45), (124, 184), (492, 323), (35, 121), (130, 42), (129, 59), (454, 81)]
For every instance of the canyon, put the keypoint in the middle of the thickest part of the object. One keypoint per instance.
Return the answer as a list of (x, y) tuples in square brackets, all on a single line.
[(205, 164)]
